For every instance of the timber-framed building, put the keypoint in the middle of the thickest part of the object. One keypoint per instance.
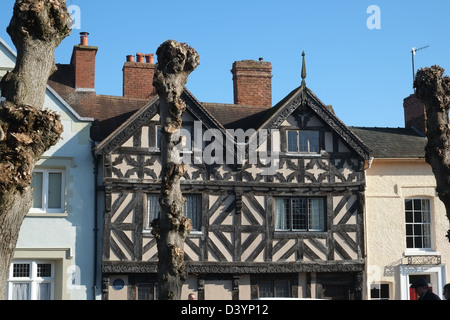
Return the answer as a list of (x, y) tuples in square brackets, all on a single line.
[(287, 222)]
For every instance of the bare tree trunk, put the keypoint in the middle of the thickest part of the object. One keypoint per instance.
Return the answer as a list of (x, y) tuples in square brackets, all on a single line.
[(37, 28), (175, 62), (434, 91)]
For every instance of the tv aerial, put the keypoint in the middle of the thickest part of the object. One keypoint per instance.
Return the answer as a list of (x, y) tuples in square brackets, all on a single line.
[(413, 53)]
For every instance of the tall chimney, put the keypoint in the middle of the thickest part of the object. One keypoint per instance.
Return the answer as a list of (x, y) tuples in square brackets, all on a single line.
[(83, 61), (138, 76), (415, 113), (252, 83)]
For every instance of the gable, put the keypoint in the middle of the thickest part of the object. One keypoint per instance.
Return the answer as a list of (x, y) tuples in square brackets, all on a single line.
[(141, 125), (303, 109)]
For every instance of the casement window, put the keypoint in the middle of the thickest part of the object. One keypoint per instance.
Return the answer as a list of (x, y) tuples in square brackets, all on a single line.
[(31, 280), (192, 209), (147, 291), (299, 214), (418, 223), (274, 289), (303, 141), (379, 291), (186, 131), (48, 191)]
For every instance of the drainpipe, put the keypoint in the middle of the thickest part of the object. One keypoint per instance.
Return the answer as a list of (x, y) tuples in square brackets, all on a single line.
[(96, 163), (367, 166)]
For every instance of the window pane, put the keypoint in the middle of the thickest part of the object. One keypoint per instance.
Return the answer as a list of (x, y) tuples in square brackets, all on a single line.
[(299, 213), (158, 137), (43, 291), (408, 204), (303, 141), (282, 289), (186, 131), (192, 210), (316, 215), (385, 291), (44, 270), (265, 289), (21, 270), (21, 291), (281, 206), (314, 141), (54, 190), (409, 217), (292, 141), (146, 291), (309, 141), (152, 208), (36, 184)]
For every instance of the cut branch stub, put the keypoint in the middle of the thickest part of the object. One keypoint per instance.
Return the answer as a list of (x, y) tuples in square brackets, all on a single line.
[(36, 29), (28, 133)]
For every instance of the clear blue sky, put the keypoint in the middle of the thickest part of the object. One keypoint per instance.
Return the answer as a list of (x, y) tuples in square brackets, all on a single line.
[(363, 73)]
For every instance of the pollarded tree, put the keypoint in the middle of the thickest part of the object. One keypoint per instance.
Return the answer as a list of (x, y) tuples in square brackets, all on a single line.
[(27, 130), (175, 62), (433, 88)]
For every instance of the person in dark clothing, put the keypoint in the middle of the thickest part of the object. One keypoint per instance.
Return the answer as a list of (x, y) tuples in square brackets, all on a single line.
[(423, 290), (447, 291)]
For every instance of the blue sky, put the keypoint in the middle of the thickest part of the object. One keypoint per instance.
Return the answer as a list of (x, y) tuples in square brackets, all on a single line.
[(363, 73)]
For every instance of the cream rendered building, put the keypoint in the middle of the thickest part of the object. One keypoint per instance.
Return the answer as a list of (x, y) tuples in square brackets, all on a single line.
[(405, 222)]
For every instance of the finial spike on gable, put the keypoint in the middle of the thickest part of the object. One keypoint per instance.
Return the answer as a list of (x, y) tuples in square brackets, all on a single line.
[(303, 69)]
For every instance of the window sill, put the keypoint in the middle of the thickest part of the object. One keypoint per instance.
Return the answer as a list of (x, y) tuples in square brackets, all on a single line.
[(193, 234), (47, 215), (424, 252), (280, 234)]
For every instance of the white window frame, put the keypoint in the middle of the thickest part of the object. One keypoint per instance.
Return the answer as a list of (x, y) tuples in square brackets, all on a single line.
[(45, 182), (430, 249), (33, 280)]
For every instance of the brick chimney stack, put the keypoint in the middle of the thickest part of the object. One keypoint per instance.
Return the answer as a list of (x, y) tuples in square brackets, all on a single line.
[(138, 76), (252, 83), (415, 113), (83, 61)]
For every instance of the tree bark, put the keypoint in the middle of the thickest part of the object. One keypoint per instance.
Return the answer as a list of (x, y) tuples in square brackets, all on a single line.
[(175, 62), (37, 28), (434, 91)]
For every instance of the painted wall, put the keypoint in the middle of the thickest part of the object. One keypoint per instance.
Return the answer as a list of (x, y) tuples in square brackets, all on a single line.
[(66, 239), (389, 183)]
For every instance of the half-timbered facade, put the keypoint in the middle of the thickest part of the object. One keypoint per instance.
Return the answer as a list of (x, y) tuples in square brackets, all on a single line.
[(276, 199)]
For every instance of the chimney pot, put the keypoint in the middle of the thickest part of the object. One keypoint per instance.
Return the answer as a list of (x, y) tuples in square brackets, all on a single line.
[(140, 57), (150, 58), (84, 38), (130, 58)]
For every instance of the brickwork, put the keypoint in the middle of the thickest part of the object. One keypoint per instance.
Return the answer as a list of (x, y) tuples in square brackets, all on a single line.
[(415, 113), (83, 60), (252, 83), (138, 79)]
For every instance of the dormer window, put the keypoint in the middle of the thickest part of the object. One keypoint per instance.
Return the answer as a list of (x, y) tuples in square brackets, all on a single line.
[(303, 141)]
